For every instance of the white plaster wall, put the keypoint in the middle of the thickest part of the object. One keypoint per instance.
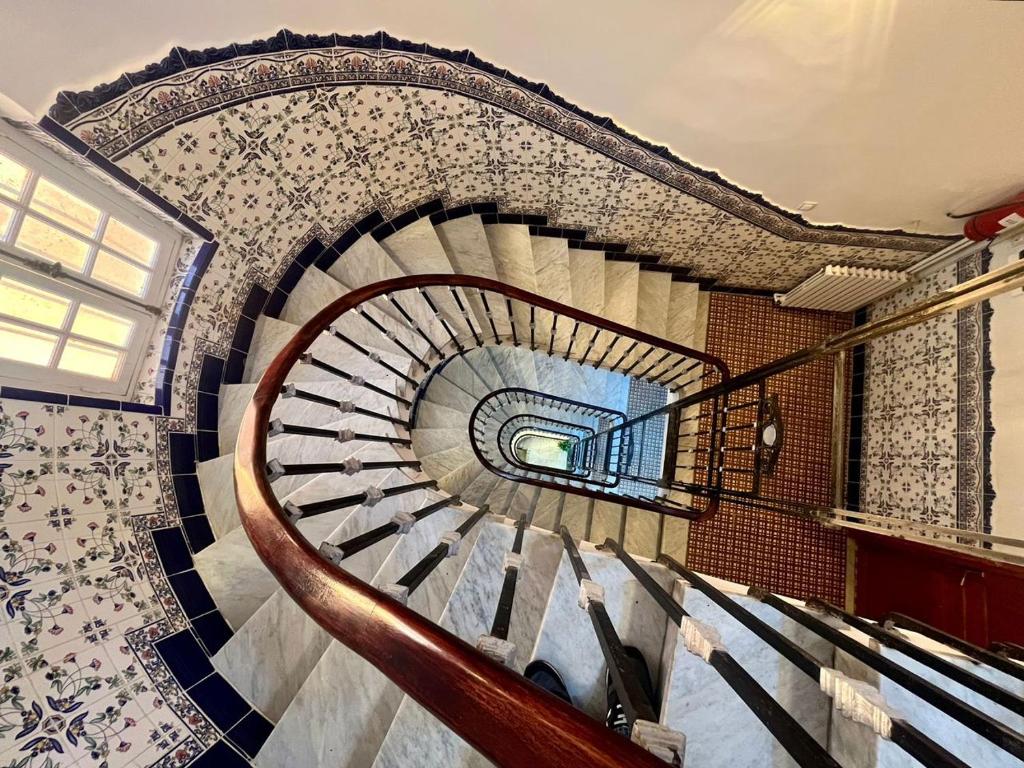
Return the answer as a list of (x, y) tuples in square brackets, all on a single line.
[(1007, 398)]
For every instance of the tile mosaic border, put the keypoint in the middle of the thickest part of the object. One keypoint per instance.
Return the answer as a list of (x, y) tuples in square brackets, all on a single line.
[(975, 492), (382, 58)]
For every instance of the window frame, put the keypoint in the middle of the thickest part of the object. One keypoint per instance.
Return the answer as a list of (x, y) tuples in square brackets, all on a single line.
[(78, 287)]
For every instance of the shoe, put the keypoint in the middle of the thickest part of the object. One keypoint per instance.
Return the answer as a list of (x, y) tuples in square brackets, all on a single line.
[(616, 717), (545, 676)]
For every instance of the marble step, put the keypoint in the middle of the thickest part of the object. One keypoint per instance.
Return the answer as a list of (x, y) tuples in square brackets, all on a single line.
[(681, 325), (524, 503), (576, 514), (642, 532), (236, 577), (516, 365), (366, 262), (607, 521), (548, 510), (234, 399), (430, 415), (621, 295), (696, 701), (415, 736), (310, 733), (441, 463), (500, 498), (418, 250), (857, 745), (478, 491), (567, 639), (271, 335), (456, 481), (429, 440), (465, 244), (215, 475)]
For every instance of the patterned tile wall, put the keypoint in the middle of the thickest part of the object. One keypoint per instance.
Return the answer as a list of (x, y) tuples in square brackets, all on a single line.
[(926, 427), (106, 627)]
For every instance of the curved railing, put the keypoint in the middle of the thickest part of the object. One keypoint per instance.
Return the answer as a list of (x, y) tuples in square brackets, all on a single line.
[(505, 718), (499, 416)]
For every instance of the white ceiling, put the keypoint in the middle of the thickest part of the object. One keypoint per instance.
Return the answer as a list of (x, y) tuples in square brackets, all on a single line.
[(887, 113)]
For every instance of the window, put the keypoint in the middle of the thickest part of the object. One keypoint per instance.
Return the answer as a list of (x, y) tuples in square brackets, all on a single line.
[(84, 324)]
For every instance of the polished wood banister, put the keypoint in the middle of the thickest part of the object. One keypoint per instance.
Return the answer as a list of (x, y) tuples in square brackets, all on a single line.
[(504, 717)]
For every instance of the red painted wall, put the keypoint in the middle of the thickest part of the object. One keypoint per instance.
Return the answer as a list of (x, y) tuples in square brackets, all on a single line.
[(976, 600)]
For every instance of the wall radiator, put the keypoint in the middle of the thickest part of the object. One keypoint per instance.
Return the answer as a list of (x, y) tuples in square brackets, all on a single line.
[(842, 289)]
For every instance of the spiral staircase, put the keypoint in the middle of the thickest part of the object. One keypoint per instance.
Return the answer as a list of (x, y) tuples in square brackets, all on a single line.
[(385, 451)]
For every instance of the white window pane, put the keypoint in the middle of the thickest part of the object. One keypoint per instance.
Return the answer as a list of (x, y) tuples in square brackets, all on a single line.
[(26, 345), (120, 273), (102, 326), (42, 239), (12, 177), (62, 206), (129, 242), (6, 215), (26, 302), (90, 359)]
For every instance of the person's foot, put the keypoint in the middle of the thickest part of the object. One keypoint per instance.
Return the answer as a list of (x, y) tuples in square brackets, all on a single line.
[(616, 717), (545, 676)]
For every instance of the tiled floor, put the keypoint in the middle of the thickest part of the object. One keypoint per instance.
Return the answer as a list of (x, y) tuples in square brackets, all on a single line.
[(780, 553)]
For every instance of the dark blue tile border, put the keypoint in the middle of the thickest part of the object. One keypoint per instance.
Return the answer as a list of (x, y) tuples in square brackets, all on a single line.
[(856, 430)]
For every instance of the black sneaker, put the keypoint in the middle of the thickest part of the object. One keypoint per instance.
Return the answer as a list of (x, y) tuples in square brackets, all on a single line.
[(545, 676), (616, 717)]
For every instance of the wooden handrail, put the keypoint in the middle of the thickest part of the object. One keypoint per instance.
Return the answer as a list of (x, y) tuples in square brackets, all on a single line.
[(501, 715)]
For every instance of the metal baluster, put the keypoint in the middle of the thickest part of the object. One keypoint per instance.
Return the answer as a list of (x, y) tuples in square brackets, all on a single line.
[(572, 339), (359, 381), (400, 523), (441, 319), (511, 321), (590, 346), (415, 326), (394, 339), (607, 350), (490, 316), (465, 316), (374, 356)]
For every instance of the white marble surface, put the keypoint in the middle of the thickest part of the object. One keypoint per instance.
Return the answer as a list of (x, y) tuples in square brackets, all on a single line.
[(417, 249), (310, 733), (269, 658), (524, 502), (699, 703), (314, 291), (551, 267), (440, 463), (857, 746), (586, 275), (428, 440), (234, 399), (416, 737), (271, 335), (465, 243), (560, 377), (501, 496), (363, 263), (512, 254), (653, 298), (567, 639), (482, 364), (621, 288), (641, 535), (456, 481), (434, 415), (549, 508), (444, 392), (236, 577), (606, 522), (476, 492), (367, 262), (682, 313), (576, 515)]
